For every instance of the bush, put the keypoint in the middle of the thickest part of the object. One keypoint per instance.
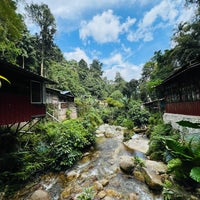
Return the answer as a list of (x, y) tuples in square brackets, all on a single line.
[(184, 162), (53, 147), (156, 149), (66, 141), (138, 114)]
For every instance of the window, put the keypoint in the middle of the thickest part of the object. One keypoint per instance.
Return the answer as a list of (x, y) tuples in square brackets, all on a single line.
[(36, 92)]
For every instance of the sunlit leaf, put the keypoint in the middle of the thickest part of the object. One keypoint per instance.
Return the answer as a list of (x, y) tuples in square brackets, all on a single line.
[(2, 77)]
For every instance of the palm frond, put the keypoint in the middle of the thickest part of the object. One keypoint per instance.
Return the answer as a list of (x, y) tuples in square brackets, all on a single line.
[(195, 174)]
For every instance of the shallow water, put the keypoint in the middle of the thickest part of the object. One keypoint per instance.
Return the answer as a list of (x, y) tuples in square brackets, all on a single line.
[(103, 163)]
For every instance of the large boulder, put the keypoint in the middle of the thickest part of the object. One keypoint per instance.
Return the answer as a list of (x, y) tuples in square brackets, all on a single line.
[(40, 195), (133, 196), (152, 180), (138, 143), (127, 164), (152, 174), (109, 131)]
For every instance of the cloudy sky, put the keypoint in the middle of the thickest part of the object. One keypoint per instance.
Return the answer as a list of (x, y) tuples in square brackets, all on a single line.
[(122, 34)]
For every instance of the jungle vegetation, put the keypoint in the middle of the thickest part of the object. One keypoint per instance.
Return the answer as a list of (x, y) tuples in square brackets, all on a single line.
[(22, 157)]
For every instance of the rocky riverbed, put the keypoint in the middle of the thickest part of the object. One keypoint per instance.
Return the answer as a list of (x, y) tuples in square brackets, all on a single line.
[(106, 172)]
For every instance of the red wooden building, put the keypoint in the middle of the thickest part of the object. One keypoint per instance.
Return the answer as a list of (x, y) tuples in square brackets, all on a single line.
[(23, 99), (181, 91)]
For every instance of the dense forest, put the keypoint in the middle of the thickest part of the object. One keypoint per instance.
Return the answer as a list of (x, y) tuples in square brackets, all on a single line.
[(39, 53)]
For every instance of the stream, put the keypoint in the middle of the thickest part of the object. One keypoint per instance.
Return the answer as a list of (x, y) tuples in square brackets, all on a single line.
[(99, 168)]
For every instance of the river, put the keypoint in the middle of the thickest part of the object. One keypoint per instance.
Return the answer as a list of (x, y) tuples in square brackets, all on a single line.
[(98, 169)]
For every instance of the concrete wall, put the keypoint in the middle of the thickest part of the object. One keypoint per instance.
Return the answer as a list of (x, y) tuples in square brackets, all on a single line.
[(188, 132), (59, 108)]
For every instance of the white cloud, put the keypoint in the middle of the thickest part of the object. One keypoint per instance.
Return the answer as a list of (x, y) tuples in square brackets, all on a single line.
[(77, 55), (71, 9), (165, 10), (116, 64), (162, 15), (105, 27), (186, 14)]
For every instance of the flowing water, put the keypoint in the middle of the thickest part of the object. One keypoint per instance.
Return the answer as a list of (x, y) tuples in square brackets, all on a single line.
[(101, 163)]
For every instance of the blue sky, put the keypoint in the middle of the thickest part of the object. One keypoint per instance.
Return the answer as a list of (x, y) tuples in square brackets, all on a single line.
[(122, 34)]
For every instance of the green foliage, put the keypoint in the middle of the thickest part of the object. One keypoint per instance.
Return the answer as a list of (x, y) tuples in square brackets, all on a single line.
[(114, 103), (128, 123), (182, 156), (131, 89), (185, 160), (188, 124), (137, 114), (125, 112), (195, 174), (11, 28), (66, 141), (156, 149), (53, 146), (87, 194), (167, 192), (92, 120), (116, 95), (139, 162), (42, 16)]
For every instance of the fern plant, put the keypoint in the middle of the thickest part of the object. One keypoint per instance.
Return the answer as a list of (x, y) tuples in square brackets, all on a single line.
[(185, 159)]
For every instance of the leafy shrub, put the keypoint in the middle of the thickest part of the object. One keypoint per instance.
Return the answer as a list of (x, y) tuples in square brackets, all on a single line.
[(126, 112), (92, 120), (66, 141), (114, 103), (128, 123), (53, 146), (106, 115), (138, 114), (117, 95), (156, 149), (139, 162), (185, 159)]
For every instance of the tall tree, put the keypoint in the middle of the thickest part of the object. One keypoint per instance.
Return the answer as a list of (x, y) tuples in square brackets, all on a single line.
[(96, 68), (131, 89), (119, 82), (42, 16), (11, 28), (187, 39), (83, 69), (28, 54)]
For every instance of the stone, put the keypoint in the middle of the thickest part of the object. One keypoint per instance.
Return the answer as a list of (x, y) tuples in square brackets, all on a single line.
[(101, 194), (108, 198), (113, 193), (138, 143), (155, 166), (152, 180), (104, 182), (72, 175), (127, 164), (154, 174), (139, 175), (133, 196), (98, 186), (109, 134), (66, 193), (40, 195)]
